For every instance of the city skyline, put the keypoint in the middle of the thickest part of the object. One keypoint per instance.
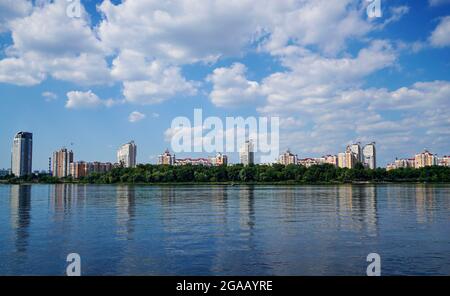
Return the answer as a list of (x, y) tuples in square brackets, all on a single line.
[(63, 163), (334, 77)]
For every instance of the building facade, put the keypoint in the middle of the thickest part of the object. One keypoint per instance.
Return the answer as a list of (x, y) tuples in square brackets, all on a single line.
[(193, 161), (444, 161), (79, 169), (356, 150), (61, 163), (370, 156), (246, 153), (22, 154), (390, 167), (331, 159), (401, 163), (351, 159), (126, 155), (83, 169), (404, 163), (328, 159), (219, 159), (424, 159), (347, 159), (308, 162), (166, 158), (420, 160), (288, 158), (341, 160)]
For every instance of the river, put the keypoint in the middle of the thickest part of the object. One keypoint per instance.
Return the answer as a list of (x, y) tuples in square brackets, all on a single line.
[(225, 230)]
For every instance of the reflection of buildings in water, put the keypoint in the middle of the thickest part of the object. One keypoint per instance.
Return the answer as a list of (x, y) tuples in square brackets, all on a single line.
[(219, 204), (287, 196), (424, 202), (390, 196), (126, 209), (357, 208), (235, 236), (167, 195), (221, 245), (369, 209), (247, 207), (399, 196), (20, 214), (345, 208), (413, 197), (345, 200), (60, 198), (177, 201), (323, 200), (64, 197)]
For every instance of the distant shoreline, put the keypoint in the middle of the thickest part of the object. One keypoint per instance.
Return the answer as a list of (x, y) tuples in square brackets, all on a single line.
[(3, 182), (247, 175)]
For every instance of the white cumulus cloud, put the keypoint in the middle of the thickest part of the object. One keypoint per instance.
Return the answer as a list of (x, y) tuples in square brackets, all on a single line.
[(440, 37), (164, 84), (20, 72), (231, 87), (438, 2), (50, 43), (136, 116), (149, 41), (85, 100), (11, 10), (49, 96)]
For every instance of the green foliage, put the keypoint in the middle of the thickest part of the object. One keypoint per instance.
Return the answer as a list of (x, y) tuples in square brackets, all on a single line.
[(276, 173), (33, 178)]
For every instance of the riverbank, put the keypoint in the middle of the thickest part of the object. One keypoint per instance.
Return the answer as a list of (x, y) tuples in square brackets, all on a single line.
[(254, 174), (284, 183)]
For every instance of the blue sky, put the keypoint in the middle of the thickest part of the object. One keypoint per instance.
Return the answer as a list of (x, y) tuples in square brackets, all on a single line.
[(333, 75)]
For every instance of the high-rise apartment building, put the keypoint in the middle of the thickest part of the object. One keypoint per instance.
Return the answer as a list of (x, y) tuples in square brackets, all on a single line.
[(356, 150), (348, 159), (166, 158), (288, 158), (351, 159), (341, 160), (369, 156), (61, 163), (424, 159), (126, 155), (246, 153), (22, 154)]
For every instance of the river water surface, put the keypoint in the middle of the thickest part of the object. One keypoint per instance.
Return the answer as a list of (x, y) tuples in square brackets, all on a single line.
[(225, 230)]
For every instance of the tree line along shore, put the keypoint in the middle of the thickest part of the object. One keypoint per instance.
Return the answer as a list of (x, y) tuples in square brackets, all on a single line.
[(290, 174)]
